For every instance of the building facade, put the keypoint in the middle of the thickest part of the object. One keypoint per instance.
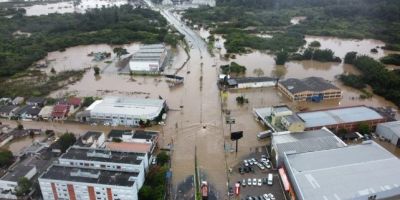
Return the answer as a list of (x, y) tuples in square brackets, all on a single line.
[(71, 183), (309, 89), (149, 58), (125, 111), (390, 131)]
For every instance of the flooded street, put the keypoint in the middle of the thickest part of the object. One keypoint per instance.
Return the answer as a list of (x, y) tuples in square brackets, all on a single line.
[(195, 125)]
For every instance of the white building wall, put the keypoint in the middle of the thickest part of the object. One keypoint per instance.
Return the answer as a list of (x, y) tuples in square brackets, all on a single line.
[(256, 84), (387, 133), (81, 190)]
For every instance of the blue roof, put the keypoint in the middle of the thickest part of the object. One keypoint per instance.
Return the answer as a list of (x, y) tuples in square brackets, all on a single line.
[(339, 116)]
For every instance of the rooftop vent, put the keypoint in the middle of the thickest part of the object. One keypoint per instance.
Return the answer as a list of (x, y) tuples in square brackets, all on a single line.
[(86, 174), (99, 154)]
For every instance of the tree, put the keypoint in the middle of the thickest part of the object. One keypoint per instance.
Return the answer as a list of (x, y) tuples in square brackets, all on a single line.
[(87, 101), (350, 57), (281, 57), (96, 70), (259, 72), (279, 72), (20, 126), (162, 158), (24, 186), (363, 128), (315, 44), (117, 140), (241, 100), (120, 51), (66, 140), (52, 70), (6, 158)]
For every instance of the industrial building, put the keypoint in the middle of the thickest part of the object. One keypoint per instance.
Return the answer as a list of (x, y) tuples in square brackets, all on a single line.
[(124, 110), (348, 118), (313, 89), (284, 142), (75, 183), (280, 118), (149, 58), (390, 131), (358, 172), (250, 82)]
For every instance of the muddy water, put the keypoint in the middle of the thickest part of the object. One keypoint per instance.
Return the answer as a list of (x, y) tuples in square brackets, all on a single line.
[(18, 145), (342, 46), (68, 7), (75, 58)]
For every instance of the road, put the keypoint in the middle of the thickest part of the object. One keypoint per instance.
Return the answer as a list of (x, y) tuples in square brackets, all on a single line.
[(197, 131)]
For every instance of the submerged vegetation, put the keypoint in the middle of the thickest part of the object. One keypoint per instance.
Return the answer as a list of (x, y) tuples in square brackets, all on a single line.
[(344, 18), (115, 25), (382, 81)]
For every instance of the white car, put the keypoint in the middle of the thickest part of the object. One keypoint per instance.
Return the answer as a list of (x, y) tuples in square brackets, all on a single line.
[(266, 197), (259, 182), (249, 181), (246, 164), (254, 181), (244, 183)]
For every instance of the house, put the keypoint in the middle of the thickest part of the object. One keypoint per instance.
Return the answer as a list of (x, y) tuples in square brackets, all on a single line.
[(348, 118), (91, 139), (60, 112), (28, 112), (75, 102), (293, 123), (18, 101), (313, 89), (300, 142), (250, 82), (5, 101), (46, 111), (8, 111), (125, 111), (36, 101), (390, 131), (149, 58), (135, 136), (357, 172)]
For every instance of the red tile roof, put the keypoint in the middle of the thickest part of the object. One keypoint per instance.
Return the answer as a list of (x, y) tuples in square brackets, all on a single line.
[(75, 101), (60, 110)]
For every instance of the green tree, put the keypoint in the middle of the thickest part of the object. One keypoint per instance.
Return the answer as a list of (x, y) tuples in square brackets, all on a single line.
[(20, 126), (66, 140), (281, 57), (363, 128), (162, 158), (259, 72), (52, 70), (96, 70), (87, 101), (6, 158), (279, 72), (24, 186), (315, 44), (350, 57), (119, 51), (117, 140)]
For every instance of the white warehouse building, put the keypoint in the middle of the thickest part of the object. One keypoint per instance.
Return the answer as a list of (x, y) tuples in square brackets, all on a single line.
[(390, 131), (125, 110), (149, 58)]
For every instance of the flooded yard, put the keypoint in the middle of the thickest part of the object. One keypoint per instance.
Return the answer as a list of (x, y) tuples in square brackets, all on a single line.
[(16, 146)]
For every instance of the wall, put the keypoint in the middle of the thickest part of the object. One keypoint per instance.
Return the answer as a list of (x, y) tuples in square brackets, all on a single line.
[(387, 133)]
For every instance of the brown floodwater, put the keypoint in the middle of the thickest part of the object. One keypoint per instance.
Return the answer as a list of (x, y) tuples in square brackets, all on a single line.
[(195, 122), (68, 6), (342, 46), (18, 145)]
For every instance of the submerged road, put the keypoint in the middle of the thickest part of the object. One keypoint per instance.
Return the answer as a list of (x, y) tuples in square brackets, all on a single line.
[(197, 132)]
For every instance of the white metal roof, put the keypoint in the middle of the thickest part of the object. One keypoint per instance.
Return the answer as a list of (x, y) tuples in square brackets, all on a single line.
[(129, 107), (393, 126), (338, 116), (352, 172)]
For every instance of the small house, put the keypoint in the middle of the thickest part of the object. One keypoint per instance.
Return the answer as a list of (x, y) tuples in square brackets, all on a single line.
[(28, 112), (8, 111), (18, 101), (60, 112), (36, 101)]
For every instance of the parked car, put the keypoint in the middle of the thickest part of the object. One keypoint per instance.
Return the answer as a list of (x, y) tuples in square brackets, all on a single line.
[(241, 170), (244, 183), (249, 182), (270, 179), (254, 181), (259, 182), (264, 134)]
